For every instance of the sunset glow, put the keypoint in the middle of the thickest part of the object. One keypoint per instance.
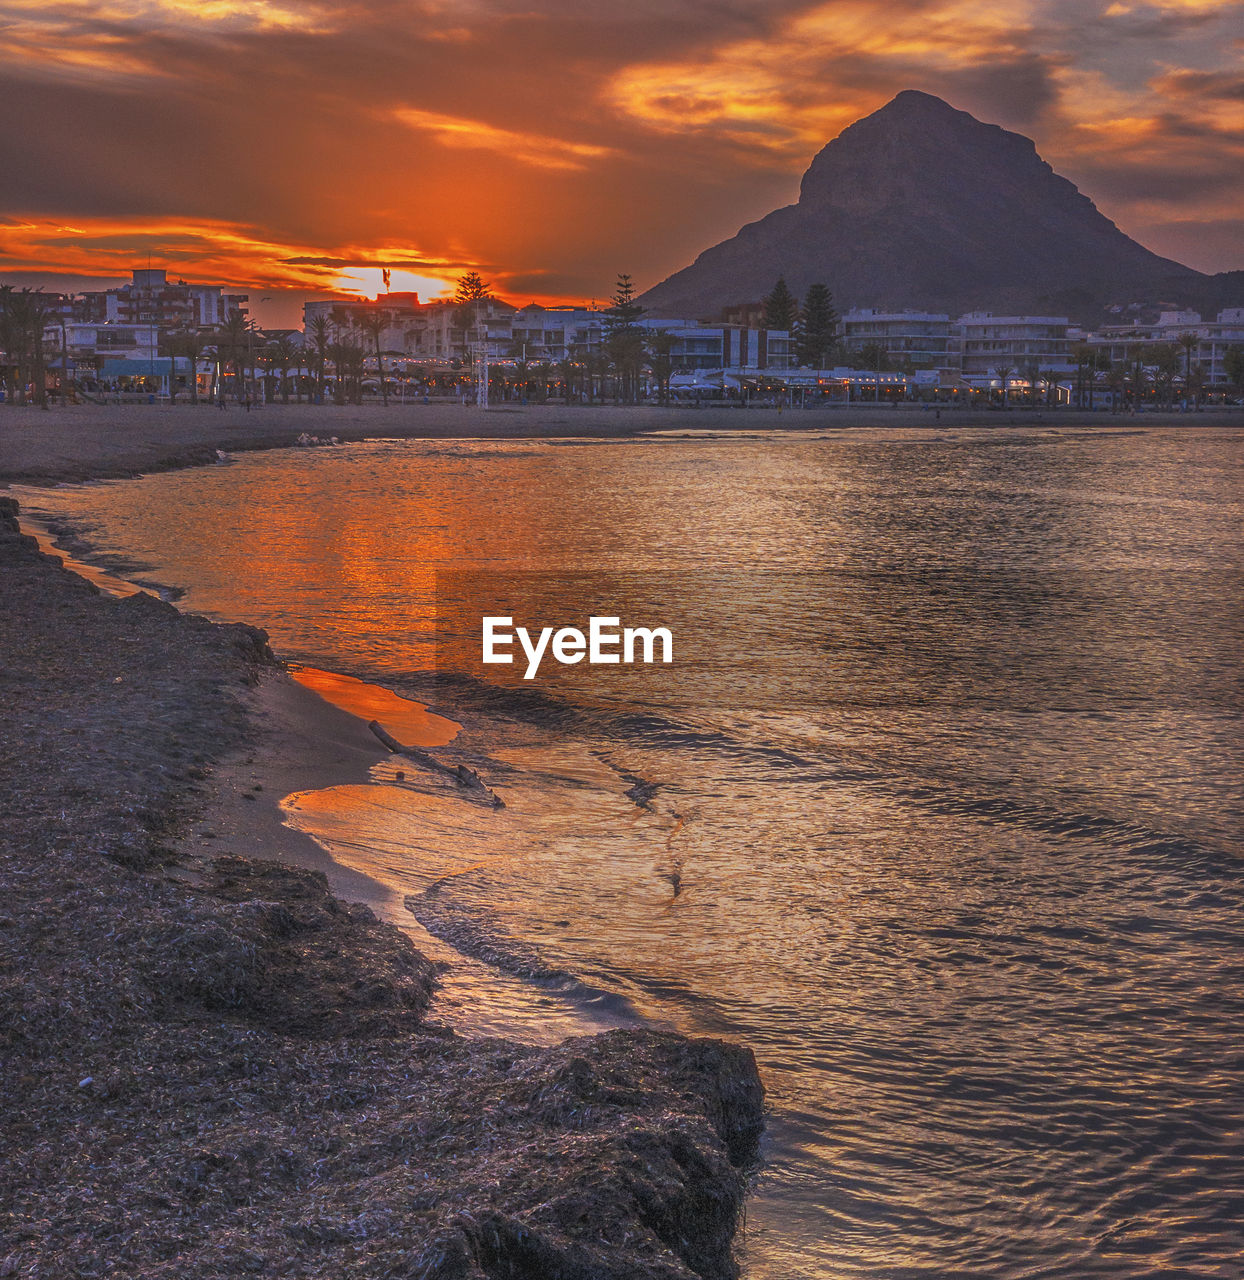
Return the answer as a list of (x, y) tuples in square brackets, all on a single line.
[(299, 149), (369, 283)]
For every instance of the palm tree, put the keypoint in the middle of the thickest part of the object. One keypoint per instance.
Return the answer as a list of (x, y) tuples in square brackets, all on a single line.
[(1233, 367), (348, 360), (320, 331), (1164, 359), (374, 323), (1004, 373), (1136, 374), (185, 343), (1031, 373), (235, 345), (597, 364), (1084, 361), (1116, 381), (566, 368), (281, 354), (23, 319), (1190, 343), (522, 380)]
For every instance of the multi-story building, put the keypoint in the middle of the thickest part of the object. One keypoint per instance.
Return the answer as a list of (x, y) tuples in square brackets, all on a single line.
[(109, 353), (724, 346), (1208, 341), (1018, 343), (922, 339), (151, 299)]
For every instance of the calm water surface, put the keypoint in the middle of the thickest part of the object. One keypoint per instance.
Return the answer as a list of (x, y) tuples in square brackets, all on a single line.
[(947, 822)]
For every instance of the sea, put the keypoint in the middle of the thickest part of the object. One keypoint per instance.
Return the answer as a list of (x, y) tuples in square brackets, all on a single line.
[(938, 807)]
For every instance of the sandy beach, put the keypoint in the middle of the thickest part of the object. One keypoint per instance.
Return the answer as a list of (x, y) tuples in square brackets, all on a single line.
[(83, 442), (216, 1068)]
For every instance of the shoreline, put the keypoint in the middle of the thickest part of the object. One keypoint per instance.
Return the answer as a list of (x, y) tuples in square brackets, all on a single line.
[(311, 733), (221, 1069), (80, 443), (304, 743)]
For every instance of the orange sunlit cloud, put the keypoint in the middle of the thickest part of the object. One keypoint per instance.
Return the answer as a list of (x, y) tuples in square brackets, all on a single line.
[(232, 255), (475, 135), (303, 147)]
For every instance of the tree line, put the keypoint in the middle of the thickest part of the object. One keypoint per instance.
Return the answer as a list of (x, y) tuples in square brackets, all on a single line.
[(343, 342)]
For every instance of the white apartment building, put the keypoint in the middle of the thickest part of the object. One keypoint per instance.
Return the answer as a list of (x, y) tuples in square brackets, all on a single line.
[(989, 342), (924, 339), (1213, 339), (150, 298)]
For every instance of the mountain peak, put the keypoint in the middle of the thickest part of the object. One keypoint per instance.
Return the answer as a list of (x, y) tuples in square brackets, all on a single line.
[(922, 205), (895, 147), (917, 100)]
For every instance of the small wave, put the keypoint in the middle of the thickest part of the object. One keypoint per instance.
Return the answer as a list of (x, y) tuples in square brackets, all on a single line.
[(490, 943), (967, 797)]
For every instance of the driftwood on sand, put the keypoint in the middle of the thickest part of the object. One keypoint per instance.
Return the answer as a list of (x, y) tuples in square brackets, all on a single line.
[(460, 774)]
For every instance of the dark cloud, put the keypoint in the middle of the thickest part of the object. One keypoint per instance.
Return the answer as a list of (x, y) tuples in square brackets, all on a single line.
[(1015, 92), (1227, 86)]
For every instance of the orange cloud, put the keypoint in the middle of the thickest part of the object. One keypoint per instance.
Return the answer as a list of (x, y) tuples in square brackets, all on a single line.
[(476, 135), (774, 93), (234, 255)]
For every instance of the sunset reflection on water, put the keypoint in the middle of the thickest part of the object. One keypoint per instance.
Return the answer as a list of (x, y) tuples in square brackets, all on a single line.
[(945, 814)]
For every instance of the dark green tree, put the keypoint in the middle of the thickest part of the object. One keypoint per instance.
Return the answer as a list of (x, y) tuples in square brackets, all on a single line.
[(816, 334), (781, 307), (624, 339), (470, 293), (373, 324), (24, 315), (661, 362), (320, 334)]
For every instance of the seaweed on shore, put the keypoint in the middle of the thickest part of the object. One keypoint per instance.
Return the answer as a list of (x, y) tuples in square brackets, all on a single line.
[(222, 1071)]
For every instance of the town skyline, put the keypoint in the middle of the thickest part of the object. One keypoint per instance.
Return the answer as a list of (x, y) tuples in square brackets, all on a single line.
[(297, 152)]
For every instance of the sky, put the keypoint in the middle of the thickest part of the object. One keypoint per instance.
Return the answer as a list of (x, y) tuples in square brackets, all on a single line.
[(294, 148)]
